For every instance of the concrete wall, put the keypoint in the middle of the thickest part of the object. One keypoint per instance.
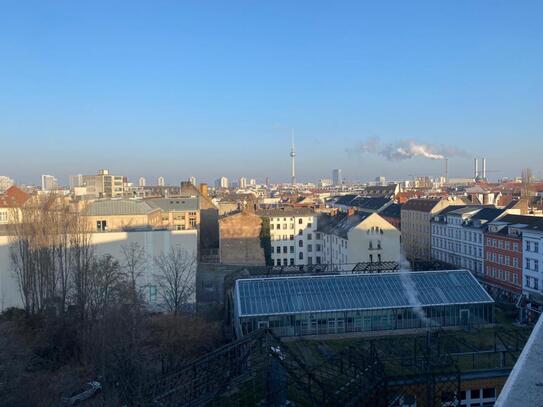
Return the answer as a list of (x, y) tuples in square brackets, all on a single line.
[(153, 243)]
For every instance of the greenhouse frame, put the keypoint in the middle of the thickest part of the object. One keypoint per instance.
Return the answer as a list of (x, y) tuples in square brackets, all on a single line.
[(350, 303)]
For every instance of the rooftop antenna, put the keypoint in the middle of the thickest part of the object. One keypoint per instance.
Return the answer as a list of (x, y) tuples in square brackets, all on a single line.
[(292, 158)]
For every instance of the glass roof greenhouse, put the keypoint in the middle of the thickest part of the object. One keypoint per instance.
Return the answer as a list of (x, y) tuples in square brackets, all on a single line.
[(310, 294)]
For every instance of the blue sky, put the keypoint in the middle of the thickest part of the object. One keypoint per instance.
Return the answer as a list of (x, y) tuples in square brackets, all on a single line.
[(179, 88)]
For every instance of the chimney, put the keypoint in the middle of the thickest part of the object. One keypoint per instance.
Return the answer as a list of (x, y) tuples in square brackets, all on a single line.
[(350, 212), (475, 168), (484, 168)]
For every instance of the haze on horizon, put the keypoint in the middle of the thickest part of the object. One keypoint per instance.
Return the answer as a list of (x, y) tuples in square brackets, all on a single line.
[(181, 89)]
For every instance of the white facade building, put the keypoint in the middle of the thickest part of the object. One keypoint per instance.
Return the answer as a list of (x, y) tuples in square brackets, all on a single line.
[(48, 183), (532, 268), (295, 240), (141, 182), (161, 182), (222, 182), (358, 237), (242, 182), (458, 236)]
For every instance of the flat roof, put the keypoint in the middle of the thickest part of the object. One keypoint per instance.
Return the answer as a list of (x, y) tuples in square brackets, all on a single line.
[(351, 292)]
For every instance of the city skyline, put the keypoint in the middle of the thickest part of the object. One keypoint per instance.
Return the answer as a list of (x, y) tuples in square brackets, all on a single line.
[(231, 93)]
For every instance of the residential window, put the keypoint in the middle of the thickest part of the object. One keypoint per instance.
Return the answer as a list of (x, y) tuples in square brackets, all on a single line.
[(318, 236), (309, 224), (278, 262), (292, 261), (309, 236), (300, 232), (309, 248), (292, 249), (300, 243), (285, 249), (101, 225), (300, 256), (318, 258), (515, 262), (285, 262), (318, 247), (272, 226), (515, 247), (300, 221), (291, 237)]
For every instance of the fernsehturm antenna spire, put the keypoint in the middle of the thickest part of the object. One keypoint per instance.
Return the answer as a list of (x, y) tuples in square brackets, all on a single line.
[(293, 158)]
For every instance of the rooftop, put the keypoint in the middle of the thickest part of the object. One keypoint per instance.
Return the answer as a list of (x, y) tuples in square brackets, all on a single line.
[(347, 292), (118, 207), (342, 223), (370, 203), (392, 211), (420, 205), (285, 211), (181, 204)]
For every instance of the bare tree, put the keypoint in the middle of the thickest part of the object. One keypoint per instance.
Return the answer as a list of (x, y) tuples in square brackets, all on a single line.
[(105, 277), (175, 278), (133, 266), (50, 253)]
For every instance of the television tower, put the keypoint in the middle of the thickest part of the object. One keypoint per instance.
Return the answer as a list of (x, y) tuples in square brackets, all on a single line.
[(293, 159)]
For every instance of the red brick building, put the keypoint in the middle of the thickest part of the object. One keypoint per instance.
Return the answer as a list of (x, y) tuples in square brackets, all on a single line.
[(503, 260)]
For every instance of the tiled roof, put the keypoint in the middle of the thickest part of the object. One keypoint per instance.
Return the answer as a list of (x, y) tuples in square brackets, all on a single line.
[(392, 211), (118, 207), (285, 211), (532, 222), (370, 203), (345, 199), (342, 223), (13, 197), (420, 205)]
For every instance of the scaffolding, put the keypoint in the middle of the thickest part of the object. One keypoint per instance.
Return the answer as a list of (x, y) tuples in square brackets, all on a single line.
[(260, 369)]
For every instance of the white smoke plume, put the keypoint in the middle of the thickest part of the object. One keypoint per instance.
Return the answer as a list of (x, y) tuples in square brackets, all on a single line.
[(412, 292), (405, 149)]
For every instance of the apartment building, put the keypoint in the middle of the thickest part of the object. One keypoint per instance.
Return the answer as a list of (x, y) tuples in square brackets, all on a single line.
[(457, 236), (179, 213), (532, 260), (11, 202), (416, 216), (357, 237), (503, 257), (103, 185), (294, 237)]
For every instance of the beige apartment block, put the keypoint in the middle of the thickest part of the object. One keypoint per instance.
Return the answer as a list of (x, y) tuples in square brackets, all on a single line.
[(416, 215), (104, 185), (178, 213)]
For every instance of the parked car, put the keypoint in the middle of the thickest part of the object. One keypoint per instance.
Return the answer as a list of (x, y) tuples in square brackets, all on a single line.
[(86, 392)]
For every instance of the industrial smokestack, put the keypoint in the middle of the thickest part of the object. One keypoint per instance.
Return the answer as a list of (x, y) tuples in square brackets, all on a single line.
[(475, 168), (446, 170), (484, 168)]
